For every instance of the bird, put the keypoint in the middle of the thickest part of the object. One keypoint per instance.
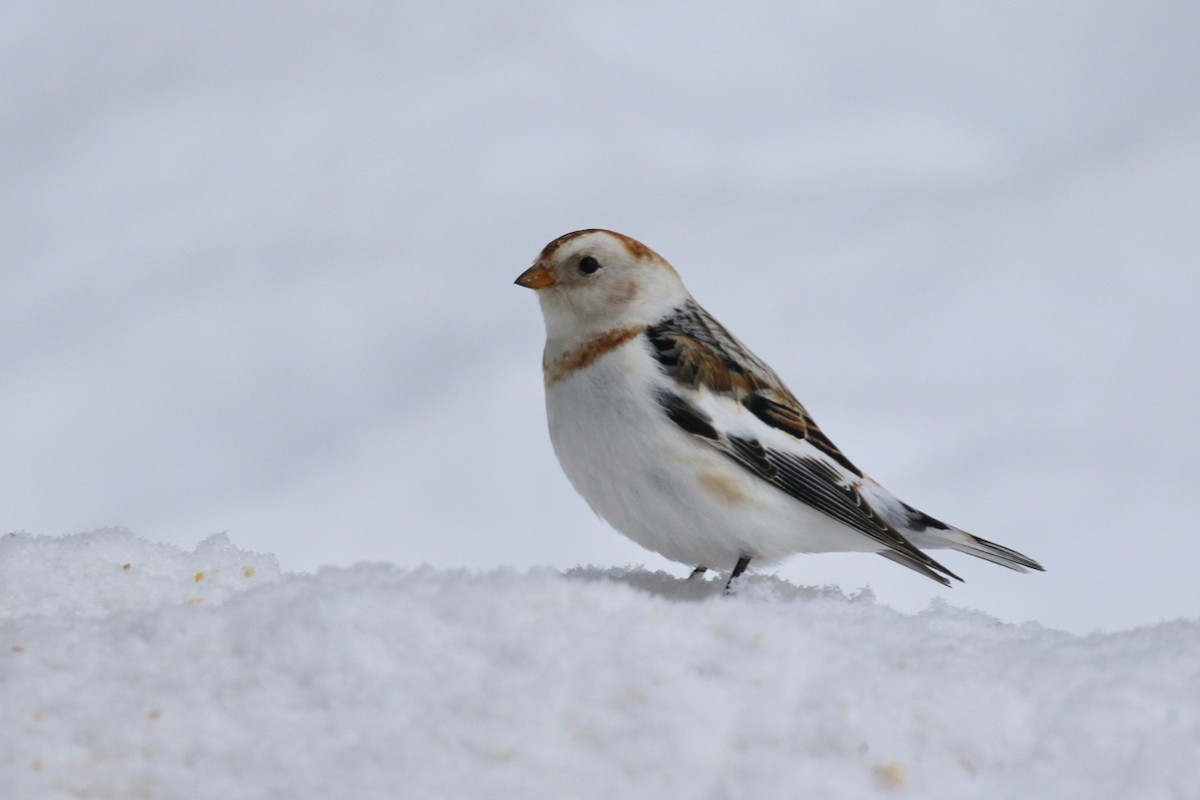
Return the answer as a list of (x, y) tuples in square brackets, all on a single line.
[(690, 445)]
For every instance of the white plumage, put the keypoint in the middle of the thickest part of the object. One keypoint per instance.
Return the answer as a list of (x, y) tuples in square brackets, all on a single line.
[(687, 443)]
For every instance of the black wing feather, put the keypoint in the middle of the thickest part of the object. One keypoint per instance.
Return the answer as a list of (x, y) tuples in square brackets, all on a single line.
[(809, 480)]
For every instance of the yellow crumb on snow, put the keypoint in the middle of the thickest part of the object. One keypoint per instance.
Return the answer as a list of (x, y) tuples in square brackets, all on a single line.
[(248, 572), (195, 601), (890, 775), (199, 577)]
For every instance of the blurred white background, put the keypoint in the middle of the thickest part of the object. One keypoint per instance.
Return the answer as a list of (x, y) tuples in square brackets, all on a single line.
[(256, 266)]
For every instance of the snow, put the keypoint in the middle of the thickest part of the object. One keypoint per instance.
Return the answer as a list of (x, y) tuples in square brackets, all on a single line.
[(256, 268), (135, 669)]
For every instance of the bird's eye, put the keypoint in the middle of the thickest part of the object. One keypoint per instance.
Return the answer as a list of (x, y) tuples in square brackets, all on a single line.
[(588, 265)]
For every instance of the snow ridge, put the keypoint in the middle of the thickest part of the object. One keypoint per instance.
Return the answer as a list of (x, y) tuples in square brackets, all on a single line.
[(134, 669)]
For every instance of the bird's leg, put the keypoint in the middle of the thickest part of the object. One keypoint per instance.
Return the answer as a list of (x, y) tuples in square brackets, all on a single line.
[(738, 569), (697, 572)]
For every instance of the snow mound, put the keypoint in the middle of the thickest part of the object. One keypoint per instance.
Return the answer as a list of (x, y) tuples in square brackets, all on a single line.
[(98, 573), (134, 669)]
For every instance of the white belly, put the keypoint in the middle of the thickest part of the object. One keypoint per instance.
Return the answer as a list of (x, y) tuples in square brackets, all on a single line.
[(666, 489)]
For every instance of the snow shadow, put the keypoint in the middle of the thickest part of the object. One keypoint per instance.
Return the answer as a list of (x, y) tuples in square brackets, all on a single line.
[(671, 587)]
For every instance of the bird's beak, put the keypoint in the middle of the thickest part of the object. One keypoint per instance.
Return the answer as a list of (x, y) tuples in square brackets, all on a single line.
[(536, 277)]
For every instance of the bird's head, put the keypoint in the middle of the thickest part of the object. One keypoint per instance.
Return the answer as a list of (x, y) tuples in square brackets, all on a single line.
[(592, 281)]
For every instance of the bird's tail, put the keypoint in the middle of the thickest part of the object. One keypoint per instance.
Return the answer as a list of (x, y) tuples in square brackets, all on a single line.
[(926, 532), (964, 542)]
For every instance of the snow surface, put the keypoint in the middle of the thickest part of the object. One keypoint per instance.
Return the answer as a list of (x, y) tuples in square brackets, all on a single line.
[(137, 670)]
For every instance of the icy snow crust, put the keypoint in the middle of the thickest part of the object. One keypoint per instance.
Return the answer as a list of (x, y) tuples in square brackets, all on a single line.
[(134, 669)]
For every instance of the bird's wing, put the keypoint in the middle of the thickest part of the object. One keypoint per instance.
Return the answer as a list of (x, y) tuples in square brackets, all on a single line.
[(712, 381), (696, 351)]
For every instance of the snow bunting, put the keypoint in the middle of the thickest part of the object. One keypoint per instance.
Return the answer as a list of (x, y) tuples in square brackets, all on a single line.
[(686, 442)]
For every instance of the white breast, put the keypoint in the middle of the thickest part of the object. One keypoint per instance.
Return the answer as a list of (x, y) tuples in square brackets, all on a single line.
[(664, 488)]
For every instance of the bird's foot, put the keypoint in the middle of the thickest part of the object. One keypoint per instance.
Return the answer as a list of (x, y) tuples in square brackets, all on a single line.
[(738, 569)]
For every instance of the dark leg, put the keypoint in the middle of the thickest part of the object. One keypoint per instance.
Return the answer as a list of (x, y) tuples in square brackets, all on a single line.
[(697, 572), (738, 569)]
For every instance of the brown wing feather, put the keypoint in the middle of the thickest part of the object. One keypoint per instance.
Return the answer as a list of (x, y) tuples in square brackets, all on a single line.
[(696, 350)]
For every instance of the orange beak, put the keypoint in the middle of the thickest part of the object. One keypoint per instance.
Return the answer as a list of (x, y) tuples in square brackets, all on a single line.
[(536, 277)]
